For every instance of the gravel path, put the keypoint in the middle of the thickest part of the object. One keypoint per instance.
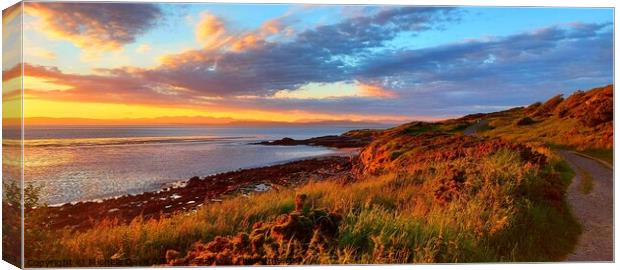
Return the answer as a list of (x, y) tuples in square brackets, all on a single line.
[(593, 210)]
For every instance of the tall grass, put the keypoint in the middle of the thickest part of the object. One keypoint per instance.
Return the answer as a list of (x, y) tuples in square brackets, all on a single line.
[(505, 210), (552, 131)]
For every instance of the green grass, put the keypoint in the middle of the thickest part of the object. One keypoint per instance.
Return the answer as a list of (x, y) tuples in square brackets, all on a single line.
[(586, 183), (566, 173), (606, 155), (419, 129), (459, 128)]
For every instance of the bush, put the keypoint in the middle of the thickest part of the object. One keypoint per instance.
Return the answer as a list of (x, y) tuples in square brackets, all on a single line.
[(525, 121)]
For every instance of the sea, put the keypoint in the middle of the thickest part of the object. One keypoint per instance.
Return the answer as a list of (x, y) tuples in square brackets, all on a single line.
[(81, 163)]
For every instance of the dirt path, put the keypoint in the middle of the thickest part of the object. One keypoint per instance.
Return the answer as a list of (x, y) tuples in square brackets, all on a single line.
[(471, 130), (594, 210)]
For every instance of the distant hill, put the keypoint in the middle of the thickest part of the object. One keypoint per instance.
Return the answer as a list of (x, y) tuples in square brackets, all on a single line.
[(480, 188), (584, 120)]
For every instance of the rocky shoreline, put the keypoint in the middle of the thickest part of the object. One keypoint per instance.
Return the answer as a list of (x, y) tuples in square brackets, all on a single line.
[(350, 139), (193, 193)]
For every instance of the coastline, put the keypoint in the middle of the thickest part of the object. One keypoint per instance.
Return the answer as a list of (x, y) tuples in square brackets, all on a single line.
[(189, 195), (338, 152)]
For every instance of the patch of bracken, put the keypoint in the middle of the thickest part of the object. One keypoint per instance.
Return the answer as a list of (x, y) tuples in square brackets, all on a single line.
[(434, 147), (591, 108), (450, 186), (299, 237)]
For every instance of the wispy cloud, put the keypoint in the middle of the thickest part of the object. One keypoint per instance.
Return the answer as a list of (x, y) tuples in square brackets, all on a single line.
[(95, 27)]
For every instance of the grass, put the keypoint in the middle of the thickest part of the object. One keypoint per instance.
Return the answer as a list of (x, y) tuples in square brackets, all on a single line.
[(567, 133), (503, 210), (586, 183), (566, 173), (485, 127), (421, 128), (459, 127), (606, 155), (422, 194)]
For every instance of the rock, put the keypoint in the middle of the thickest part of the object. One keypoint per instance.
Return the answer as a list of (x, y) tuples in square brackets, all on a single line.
[(194, 181), (171, 254), (291, 238), (262, 187), (350, 139)]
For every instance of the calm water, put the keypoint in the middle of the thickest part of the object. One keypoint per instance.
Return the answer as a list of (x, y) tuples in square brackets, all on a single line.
[(83, 163)]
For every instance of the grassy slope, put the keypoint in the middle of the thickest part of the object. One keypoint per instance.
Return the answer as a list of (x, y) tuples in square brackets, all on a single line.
[(565, 134), (581, 122), (504, 208), (422, 194)]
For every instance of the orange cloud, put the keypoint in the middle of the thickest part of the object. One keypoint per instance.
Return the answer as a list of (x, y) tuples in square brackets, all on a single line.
[(12, 73), (245, 42), (370, 90), (211, 32), (186, 57), (127, 93), (272, 26), (256, 38), (120, 86)]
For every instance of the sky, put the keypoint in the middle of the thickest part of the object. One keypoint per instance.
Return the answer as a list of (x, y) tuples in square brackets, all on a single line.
[(296, 63)]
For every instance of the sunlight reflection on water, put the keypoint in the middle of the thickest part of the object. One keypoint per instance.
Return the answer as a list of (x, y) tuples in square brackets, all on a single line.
[(87, 168)]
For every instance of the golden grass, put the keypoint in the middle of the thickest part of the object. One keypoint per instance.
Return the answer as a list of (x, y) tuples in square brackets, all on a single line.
[(565, 132), (505, 210)]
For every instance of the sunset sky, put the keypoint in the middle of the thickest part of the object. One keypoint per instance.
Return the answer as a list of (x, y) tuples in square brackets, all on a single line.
[(118, 61)]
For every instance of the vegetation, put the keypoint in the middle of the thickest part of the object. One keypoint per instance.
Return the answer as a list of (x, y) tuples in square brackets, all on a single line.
[(525, 121), (583, 121), (11, 221), (418, 193), (586, 182), (606, 155), (483, 200), (35, 229)]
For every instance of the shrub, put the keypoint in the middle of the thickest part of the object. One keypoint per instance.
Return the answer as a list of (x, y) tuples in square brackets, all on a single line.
[(525, 121)]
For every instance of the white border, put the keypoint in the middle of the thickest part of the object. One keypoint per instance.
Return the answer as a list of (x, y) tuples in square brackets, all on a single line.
[(514, 3)]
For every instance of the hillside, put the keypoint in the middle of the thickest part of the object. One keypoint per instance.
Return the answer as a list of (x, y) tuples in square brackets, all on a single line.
[(418, 193), (476, 201), (583, 121)]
